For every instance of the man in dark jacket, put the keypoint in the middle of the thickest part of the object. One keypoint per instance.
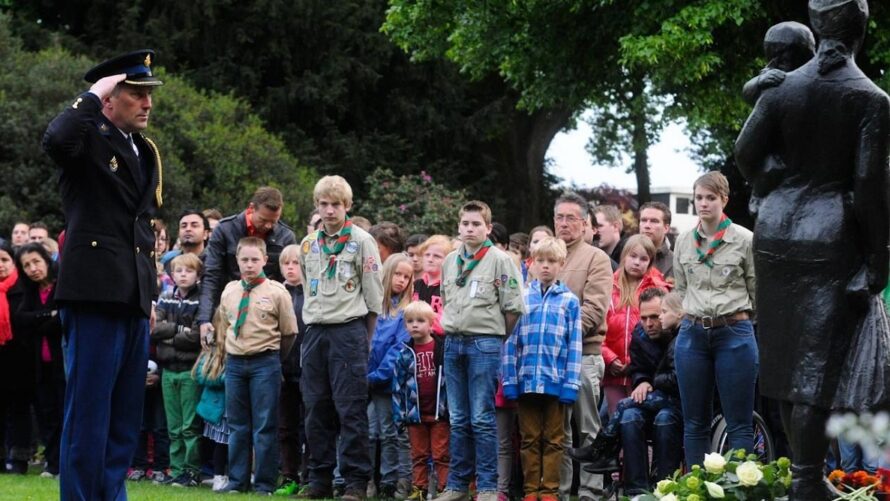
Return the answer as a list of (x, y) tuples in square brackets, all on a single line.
[(653, 405), (110, 185), (260, 219)]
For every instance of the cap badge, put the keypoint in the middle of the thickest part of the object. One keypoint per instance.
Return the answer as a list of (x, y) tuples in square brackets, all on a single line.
[(148, 59), (113, 164)]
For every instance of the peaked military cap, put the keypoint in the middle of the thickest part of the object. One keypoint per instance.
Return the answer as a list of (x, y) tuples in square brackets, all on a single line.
[(137, 66)]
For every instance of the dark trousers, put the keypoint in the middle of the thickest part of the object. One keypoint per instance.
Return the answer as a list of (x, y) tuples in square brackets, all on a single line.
[(291, 434), (15, 426), (154, 423), (335, 392), (662, 412), (106, 357), (50, 407)]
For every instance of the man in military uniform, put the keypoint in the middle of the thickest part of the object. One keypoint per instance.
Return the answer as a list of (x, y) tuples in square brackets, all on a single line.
[(111, 186)]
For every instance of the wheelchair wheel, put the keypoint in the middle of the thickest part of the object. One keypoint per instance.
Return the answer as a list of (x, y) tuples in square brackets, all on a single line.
[(763, 439)]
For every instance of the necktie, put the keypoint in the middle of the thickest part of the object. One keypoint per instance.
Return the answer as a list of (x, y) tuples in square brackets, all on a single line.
[(133, 144)]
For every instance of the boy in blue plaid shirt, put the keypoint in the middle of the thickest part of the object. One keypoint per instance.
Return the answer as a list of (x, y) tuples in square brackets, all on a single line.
[(541, 368)]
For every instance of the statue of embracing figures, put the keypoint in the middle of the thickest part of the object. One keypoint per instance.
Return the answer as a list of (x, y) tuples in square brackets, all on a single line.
[(822, 137)]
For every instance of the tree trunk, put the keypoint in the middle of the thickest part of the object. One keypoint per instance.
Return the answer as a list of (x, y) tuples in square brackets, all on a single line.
[(640, 141), (530, 138)]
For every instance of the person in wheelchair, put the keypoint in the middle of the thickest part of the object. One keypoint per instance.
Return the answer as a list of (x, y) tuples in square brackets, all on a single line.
[(654, 404)]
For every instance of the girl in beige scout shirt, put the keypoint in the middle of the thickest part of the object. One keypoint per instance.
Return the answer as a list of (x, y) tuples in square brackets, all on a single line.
[(259, 322), (714, 269)]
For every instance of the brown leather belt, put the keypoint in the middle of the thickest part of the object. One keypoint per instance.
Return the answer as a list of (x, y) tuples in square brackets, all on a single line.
[(711, 322)]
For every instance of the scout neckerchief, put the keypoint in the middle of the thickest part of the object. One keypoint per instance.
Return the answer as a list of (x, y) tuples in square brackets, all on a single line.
[(245, 299), (705, 256), (332, 254), (463, 273)]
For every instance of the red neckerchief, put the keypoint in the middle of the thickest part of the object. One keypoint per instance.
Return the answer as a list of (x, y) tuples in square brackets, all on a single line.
[(251, 230)]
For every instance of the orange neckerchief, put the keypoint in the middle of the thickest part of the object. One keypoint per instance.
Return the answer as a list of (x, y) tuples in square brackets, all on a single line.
[(251, 230)]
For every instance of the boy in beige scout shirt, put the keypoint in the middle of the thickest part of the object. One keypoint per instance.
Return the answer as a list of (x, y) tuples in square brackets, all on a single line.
[(344, 295), (260, 325), (482, 293)]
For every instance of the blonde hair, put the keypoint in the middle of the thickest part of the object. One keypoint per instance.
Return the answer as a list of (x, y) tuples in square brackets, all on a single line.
[(251, 242), (673, 302), (389, 270), (626, 291), (713, 181), (440, 240), (212, 360), (476, 206), (288, 254), (550, 247), (189, 261), (420, 309), (545, 229), (334, 188)]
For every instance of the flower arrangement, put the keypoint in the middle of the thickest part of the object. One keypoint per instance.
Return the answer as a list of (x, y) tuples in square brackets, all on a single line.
[(861, 485), (734, 476)]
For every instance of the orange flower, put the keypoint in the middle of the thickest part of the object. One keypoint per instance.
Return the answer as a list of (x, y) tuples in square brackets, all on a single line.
[(836, 476)]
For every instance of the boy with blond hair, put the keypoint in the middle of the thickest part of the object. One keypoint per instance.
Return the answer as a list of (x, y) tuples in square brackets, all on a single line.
[(176, 337), (419, 398), (482, 294), (260, 326), (340, 265), (541, 368)]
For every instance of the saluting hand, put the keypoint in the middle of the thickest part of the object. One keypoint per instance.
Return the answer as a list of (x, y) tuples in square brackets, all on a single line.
[(105, 85)]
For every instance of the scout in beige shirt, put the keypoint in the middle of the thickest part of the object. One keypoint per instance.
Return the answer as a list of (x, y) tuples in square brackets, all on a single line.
[(259, 322)]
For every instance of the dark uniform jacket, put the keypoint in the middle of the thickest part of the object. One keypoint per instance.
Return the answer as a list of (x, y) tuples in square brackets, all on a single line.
[(221, 267), (109, 196)]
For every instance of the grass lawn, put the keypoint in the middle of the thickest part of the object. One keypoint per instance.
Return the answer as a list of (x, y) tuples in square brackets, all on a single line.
[(33, 488)]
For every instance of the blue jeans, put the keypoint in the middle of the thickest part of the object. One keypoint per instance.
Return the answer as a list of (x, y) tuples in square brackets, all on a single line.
[(381, 424), (252, 387), (728, 358), (663, 412), (471, 372)]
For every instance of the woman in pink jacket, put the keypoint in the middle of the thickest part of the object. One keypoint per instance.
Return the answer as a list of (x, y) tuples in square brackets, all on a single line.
[(635, 274)]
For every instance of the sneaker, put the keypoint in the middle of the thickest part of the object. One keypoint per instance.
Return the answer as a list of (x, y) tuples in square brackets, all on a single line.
[(502, 496), (287, 487), (339, 489), (229, 489), (48, 474), (549, 497), (219, 482), (160, 477), (450, 495), (371, 492), (311, 492), (353, 495), (487, 496), (187, 479), (531, 497), (136, 475), (403, 489), (417, 494)]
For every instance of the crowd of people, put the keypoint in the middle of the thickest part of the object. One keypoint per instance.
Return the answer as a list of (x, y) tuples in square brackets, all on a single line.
[(363, 362)]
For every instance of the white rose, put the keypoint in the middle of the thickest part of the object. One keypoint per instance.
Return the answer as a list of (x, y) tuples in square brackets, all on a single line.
[(670, 497), (749, 473), (714, 490), (661, 487), (714, 463)]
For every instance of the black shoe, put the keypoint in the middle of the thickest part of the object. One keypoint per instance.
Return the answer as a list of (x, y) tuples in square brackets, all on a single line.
[(386, 491), (605, 464), (339, 489), (312, 492), (601, 444), (187, 479), (18, 467)]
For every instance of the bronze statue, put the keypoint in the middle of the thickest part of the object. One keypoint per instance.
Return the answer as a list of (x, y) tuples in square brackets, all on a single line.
[(823, 226)]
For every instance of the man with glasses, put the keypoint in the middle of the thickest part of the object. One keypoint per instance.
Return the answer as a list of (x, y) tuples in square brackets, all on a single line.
[(588, 273)]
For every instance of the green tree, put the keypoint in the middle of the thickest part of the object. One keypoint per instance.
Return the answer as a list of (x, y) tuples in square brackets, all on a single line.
[(214, 150), (343, 97)]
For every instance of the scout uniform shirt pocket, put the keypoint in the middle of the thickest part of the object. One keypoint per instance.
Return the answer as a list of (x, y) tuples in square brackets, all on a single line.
[(346, 275), (482, 290), (727, 268)]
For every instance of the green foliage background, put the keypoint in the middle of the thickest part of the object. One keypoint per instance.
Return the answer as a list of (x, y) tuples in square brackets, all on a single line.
[(215, 151)]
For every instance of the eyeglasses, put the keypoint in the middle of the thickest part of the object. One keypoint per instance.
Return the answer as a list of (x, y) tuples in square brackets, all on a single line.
[(567, 218)]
